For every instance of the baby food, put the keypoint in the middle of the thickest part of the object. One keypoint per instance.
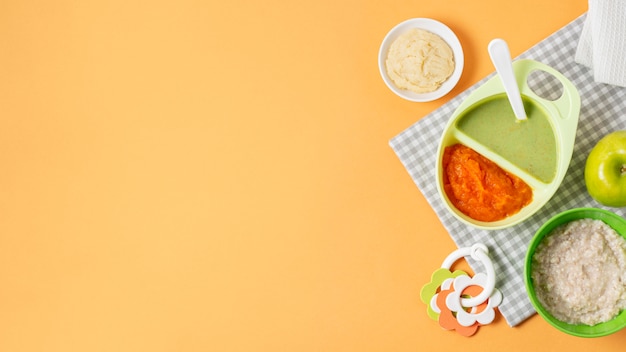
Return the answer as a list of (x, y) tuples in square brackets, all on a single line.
[(579, 272), (479, 188), (419, 61), (528, 144)]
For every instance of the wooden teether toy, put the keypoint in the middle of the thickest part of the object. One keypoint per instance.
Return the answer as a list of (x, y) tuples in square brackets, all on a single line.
[(460, 302)]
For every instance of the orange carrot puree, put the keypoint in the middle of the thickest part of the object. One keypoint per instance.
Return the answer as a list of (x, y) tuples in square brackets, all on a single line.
[(479, 188)]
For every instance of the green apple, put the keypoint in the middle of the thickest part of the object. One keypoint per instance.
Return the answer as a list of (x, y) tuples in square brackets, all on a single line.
[(605, 170)]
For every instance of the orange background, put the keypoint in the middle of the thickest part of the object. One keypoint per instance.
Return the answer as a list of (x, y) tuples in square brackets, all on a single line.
[(215, 176)]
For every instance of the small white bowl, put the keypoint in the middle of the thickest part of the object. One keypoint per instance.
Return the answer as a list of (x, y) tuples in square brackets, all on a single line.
[(437, 28)]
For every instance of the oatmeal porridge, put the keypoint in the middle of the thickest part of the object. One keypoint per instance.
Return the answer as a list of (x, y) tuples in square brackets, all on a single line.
[(579, 272)]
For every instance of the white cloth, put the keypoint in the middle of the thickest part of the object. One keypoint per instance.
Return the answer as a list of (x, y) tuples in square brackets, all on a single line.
[(602, 43)]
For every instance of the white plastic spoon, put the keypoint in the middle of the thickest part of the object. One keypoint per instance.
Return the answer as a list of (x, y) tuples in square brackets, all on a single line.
[(501, 58)]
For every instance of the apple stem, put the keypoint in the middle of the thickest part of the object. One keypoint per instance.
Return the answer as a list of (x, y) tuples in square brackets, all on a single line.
[(623, 169)]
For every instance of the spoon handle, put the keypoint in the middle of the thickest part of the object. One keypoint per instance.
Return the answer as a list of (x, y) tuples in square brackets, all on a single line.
[(501, 58)]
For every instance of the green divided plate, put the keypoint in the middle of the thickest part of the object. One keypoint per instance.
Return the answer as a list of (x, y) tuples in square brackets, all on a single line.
[(514, 151)]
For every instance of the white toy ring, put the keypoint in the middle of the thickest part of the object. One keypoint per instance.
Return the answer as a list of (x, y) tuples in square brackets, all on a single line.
[(478, 252)]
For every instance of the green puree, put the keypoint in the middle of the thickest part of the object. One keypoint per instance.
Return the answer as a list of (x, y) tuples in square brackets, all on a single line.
[(529, 144)]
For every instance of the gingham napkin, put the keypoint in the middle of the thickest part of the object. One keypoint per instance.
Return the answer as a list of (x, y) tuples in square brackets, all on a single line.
[(601, 112), (602, 44)]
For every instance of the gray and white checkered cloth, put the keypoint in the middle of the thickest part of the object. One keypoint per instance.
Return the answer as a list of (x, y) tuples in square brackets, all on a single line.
[(602, 111)]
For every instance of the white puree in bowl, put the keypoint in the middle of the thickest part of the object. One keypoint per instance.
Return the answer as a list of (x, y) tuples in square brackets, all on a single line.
[(419, 61), (579, 272)]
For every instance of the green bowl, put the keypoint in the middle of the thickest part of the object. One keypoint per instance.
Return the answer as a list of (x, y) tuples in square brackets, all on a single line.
[(619, 225)]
